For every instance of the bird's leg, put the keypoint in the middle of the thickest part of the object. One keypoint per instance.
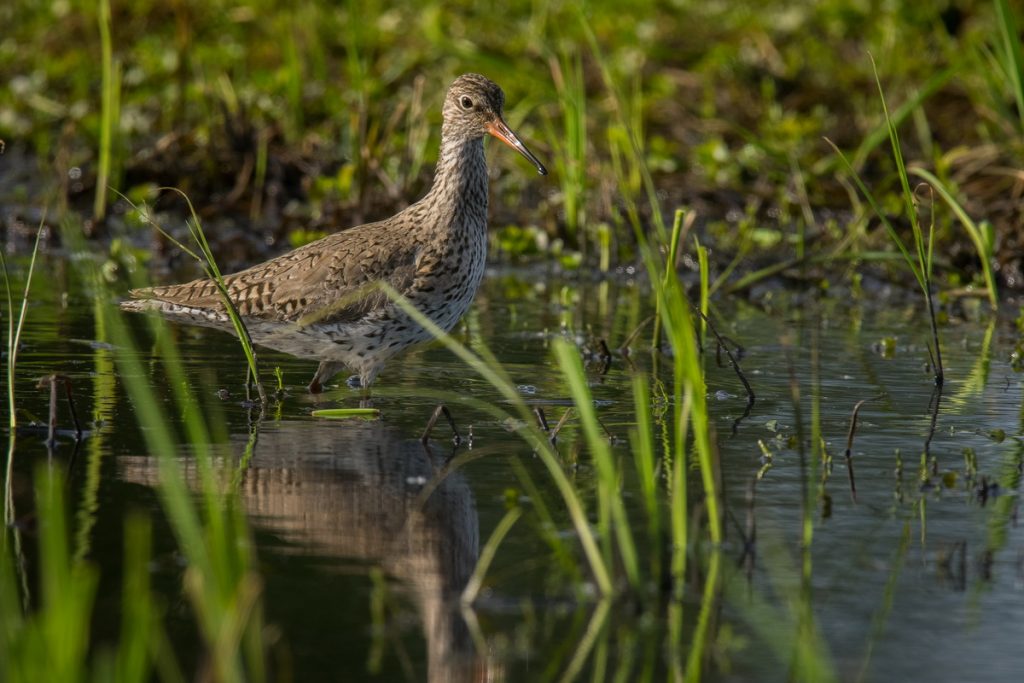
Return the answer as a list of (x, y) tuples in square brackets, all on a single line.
[(324, 372), (367, 373)]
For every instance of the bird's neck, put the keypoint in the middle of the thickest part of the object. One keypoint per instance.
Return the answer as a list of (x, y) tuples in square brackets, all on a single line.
[(460, 183)]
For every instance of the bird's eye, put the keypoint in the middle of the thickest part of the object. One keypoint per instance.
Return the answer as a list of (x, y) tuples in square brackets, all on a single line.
[(466, 102)]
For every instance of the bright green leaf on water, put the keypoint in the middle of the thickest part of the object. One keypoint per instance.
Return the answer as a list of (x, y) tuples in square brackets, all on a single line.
[(886, 347), (345, 413), (571, 260), (766, 237)]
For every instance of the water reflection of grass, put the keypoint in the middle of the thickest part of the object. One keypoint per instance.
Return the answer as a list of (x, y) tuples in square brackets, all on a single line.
[(714, 622), (47, 637)]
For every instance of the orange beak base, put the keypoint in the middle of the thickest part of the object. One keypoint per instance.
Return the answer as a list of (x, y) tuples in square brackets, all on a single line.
[(500, 130)]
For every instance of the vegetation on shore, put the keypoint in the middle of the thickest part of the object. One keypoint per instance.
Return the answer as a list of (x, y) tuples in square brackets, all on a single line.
[(284, 124)]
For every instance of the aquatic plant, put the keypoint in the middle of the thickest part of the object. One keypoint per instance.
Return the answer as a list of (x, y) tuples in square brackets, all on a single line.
[(570, 144), (222, 584), (223, 587), (110, 117), (212, 271), (1011, 56), (920, 264), (982, 235), (488, 368), (15, 326)]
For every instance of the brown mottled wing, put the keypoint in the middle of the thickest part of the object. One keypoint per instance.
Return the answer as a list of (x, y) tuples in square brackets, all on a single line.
[(330, 280)]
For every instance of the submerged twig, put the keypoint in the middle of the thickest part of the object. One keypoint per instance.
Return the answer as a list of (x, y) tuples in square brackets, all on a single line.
[(732, 359), (51, 424), (722, 346), (52, 381), (624, 347), (553, 435), (794, 395), (607, 432), (748, 535), (851, 432), (934, 402), (71, 408), (605, 356), (440, 410), (743, 416), (542, 420)]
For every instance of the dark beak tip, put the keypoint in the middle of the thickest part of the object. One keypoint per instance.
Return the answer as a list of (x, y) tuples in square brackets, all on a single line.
[(499, 129)]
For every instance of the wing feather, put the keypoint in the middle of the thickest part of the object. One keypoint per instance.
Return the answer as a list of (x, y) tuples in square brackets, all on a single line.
[(331, 280)]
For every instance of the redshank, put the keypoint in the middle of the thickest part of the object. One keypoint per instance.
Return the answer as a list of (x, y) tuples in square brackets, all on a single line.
[(323, 301)]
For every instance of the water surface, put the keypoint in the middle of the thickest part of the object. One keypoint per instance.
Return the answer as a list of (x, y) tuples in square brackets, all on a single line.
[(366, 538)]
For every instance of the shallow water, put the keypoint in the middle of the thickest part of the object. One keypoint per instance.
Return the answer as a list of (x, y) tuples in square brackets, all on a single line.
[(366, 538)]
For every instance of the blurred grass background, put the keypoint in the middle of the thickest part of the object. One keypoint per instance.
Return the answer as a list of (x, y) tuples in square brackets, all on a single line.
[(282, 123)]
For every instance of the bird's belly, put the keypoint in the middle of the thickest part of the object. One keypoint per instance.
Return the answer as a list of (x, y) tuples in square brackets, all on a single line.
[(446, 300), (371, 340)]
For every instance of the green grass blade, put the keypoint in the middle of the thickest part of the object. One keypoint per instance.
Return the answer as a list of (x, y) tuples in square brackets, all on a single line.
[(644, 456), (982, 242), (487, 553), (680, 224), (212, 270), (609, 478), (1013, 56), (68, 590), (493, 373), (210, 264), (108, 115), (902, 113), (908, 195), (705, 291), (629, 125), (703, 632), (14, 330), (876, 207), (139, 616), (689, 392), (595, 627)]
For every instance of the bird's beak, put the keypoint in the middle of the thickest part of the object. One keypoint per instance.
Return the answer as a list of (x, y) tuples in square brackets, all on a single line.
[(499, 129)]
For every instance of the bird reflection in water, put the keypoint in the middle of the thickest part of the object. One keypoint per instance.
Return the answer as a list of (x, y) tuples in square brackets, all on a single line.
[(360, 491)]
